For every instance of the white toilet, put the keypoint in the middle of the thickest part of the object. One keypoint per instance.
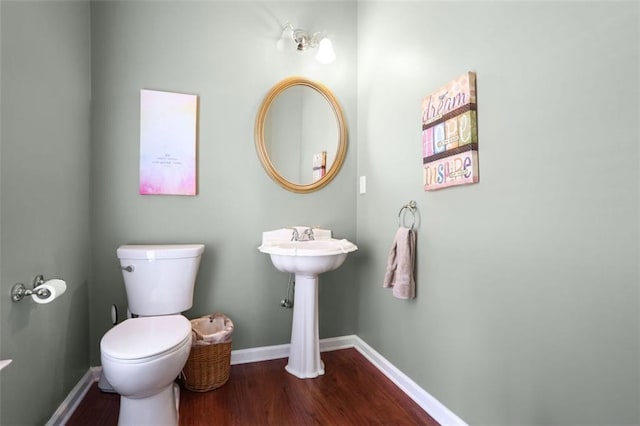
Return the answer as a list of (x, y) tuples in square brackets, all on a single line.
[(142, 356)]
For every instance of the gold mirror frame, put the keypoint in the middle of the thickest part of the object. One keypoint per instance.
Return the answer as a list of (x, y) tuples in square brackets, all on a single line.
[(262, 149)]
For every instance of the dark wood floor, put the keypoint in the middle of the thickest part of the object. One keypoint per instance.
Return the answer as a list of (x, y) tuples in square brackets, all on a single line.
[(351, 392)]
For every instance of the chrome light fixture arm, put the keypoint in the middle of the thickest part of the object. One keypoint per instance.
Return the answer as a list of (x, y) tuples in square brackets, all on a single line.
[(303, 40)]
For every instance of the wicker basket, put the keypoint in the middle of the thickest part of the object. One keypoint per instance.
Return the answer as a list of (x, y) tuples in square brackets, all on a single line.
[(208, 367), (209, 362)]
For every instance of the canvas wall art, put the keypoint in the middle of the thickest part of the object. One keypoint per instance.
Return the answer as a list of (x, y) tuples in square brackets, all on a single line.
[(450, 135), (168, 140)]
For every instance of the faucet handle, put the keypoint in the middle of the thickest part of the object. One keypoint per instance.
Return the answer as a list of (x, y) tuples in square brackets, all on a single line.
[(294, 234), (309, 234)]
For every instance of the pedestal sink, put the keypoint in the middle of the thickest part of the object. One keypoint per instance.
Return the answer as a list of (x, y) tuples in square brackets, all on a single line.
[(306, 259)]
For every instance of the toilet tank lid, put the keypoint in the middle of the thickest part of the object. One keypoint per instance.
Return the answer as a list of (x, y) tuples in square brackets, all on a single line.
[(160, 251)]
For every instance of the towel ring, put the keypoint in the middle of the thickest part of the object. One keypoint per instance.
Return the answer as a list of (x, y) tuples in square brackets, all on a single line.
[(411, 206)]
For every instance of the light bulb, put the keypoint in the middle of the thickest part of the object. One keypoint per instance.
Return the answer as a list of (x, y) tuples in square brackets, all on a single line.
[(325, 54), (286, 39)]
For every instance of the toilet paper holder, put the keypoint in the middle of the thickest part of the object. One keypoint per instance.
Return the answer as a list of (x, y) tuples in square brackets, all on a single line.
[(19, 291)]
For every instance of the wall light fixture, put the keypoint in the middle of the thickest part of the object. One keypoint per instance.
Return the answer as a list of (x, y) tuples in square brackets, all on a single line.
[(298, 39)]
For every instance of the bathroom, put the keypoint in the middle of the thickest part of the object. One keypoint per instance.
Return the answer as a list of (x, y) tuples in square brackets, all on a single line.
[(527, 300)]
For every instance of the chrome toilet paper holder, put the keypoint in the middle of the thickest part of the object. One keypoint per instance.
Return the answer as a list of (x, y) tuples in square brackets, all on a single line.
[(19, 291)]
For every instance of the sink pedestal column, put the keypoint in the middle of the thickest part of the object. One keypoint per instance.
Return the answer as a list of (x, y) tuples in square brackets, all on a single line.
[(304, 353)]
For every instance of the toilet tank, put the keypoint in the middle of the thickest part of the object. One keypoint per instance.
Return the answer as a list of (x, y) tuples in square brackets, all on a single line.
[(159, 279)]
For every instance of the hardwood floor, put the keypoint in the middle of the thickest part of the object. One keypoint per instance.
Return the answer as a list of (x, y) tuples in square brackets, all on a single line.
[(351, 392)]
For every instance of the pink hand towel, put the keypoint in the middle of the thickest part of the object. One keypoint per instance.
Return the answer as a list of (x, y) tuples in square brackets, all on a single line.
[(401, 265)]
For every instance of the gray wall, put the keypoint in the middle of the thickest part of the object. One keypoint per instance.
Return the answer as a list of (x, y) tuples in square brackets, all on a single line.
[(44, 186), (527, 307), (225, 53)]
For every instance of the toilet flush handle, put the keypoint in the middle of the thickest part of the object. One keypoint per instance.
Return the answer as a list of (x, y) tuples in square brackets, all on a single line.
[(129, 268)]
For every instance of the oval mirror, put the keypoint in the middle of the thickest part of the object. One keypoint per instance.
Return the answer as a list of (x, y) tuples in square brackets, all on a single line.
[(301, 136)]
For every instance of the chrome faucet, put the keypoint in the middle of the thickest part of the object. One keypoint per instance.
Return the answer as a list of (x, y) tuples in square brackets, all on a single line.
[(307, 235)]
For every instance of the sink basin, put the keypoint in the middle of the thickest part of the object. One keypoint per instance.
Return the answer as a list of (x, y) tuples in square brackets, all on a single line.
[(308, 257), (305, 259)]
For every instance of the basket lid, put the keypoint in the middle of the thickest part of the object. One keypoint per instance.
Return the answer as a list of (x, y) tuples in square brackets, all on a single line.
[(145, 337)]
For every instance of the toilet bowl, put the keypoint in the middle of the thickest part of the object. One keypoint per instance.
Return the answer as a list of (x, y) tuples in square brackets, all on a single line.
[(141, 358)]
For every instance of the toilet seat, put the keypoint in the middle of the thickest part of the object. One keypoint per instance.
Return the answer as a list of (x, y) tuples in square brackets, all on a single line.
[(146, 338)]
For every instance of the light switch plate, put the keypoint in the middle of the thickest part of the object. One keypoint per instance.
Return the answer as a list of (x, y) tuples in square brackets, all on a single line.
[(363, 184)]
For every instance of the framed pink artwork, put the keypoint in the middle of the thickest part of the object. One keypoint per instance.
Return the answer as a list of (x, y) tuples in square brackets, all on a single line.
[(168, 141)]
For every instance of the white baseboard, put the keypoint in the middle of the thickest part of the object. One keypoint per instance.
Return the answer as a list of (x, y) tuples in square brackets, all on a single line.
[(263, 353), (428, 403), (337, 343), (71, 402), (266, 353)]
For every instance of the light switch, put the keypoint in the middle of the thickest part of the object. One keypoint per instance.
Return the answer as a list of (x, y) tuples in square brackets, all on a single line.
[(363, 184)]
